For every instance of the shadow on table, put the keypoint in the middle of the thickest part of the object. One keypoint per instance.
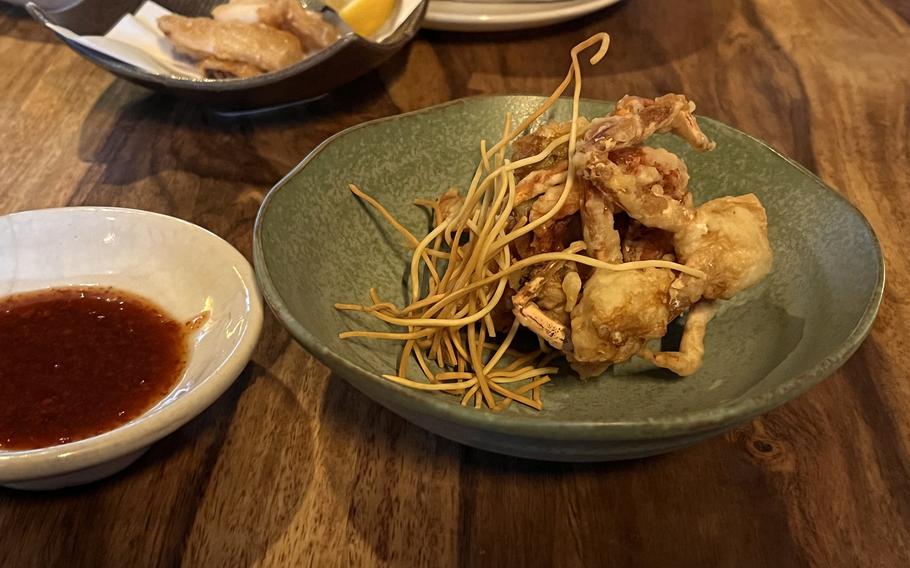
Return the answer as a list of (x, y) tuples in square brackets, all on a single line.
[(258, 482), (19, 25), (493, 510), (392, 472), (644, 34), (132, 133)]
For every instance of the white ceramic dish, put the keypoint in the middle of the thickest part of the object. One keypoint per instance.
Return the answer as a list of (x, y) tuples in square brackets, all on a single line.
[(501, 16), (180, 266)]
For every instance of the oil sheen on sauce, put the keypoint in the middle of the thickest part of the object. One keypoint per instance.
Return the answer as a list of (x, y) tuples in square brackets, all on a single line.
[(75, 363)]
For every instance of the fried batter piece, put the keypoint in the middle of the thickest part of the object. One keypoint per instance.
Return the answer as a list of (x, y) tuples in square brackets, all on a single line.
[(619, 311), (600, 234), (728, 240), (650, 184), (448, 204), (550, 236), (536, 141), (635, 119), (687, 361)]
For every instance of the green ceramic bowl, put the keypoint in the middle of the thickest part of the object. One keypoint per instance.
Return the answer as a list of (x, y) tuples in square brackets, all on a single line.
[(316, 244)]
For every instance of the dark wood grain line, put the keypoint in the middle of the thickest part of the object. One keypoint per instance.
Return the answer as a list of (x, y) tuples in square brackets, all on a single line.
[(793, 104), (192, 500), (877, 413), (624, 514), (899, 7)]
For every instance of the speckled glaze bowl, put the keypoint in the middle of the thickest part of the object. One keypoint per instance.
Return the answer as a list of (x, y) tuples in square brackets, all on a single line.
[(316, 244), (345, 60)]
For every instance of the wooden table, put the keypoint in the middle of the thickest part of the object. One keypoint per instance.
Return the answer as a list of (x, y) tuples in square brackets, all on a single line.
[(293, 467)]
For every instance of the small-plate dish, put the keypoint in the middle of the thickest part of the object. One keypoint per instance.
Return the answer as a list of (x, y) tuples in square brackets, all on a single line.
[(341, 62), (181, 267), (502, 16), (316, 244)]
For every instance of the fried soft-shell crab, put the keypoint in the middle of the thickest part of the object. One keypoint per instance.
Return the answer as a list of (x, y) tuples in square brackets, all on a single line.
[(630, 202)]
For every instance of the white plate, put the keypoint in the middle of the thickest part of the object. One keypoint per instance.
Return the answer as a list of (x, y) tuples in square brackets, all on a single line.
[(181, 267), (499, 16)]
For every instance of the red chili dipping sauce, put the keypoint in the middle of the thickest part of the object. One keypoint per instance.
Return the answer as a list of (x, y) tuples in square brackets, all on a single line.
[(79, 362)]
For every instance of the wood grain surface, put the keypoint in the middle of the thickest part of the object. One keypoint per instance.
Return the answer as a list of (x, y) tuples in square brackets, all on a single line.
[(293, 467)]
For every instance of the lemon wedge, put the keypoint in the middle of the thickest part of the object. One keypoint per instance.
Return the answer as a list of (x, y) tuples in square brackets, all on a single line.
[(366, 16)]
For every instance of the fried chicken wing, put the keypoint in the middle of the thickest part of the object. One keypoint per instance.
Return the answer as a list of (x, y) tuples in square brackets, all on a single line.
[(255, 44), (313, 31), (266, 12), (215, 68)]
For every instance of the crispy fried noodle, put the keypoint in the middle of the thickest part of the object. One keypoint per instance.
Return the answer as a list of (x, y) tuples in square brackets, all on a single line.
[(581, 234)]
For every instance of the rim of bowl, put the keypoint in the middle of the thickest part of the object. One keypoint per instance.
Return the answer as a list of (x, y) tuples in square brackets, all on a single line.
[(687, 423), (407, 30), (485, 21), (20, 465)]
